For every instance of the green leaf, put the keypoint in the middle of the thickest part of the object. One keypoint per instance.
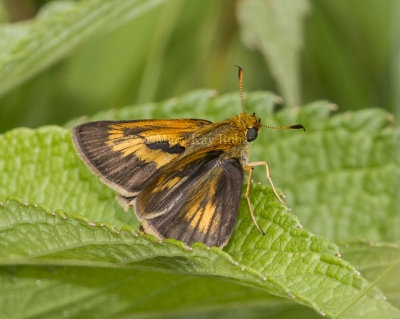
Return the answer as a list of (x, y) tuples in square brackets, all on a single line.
[(288, 261), (26, 48), (379, 263), (40, 243), (41, 165), (257, 311), (341, 176), (275, 28), (94, 292)]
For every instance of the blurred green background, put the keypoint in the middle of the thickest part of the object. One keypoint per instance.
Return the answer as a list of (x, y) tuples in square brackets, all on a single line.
[(343, 51)]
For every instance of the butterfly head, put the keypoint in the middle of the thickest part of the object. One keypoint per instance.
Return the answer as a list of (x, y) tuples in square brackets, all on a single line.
[(251, 124)]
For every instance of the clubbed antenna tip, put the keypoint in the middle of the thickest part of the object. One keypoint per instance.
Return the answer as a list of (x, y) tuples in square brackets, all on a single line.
[(291, 127), (298, 126)]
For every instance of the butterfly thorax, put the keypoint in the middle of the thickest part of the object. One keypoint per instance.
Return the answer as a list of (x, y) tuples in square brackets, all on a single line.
[(231, 136)]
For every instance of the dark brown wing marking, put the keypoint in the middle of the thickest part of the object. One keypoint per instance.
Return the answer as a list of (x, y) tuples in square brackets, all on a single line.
[(195, 199)]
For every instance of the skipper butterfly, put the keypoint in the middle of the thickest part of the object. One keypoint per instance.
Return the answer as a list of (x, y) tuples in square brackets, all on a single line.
[(184, 176)]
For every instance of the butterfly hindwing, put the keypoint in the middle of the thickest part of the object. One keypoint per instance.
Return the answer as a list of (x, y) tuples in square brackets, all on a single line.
[(125, 154), (195, 199)]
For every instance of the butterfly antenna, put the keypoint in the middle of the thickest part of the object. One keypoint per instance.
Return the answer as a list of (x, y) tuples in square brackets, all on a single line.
[(291, 127), (241, 86)]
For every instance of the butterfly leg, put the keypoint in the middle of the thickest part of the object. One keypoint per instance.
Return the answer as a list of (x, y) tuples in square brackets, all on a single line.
[(268, 177), (246, 195)]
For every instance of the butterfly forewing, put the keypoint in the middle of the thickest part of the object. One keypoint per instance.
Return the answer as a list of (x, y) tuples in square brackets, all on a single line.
[(125, 154), (195, 199)]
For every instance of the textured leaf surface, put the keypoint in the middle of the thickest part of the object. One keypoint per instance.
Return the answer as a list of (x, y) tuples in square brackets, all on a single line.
[(288, 261), (40, 166), (379, 263), (344, 171), (28, 47)]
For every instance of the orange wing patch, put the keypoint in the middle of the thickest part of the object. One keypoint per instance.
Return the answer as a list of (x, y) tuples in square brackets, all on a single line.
[(203, 217), (126, 154), (152, 141), (135, 144), (200, 216)]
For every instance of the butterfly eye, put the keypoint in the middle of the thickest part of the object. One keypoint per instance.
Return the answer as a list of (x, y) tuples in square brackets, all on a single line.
[(251, 134)]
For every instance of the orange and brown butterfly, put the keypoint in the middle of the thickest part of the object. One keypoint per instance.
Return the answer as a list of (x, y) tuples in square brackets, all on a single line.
[(184, 176)]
